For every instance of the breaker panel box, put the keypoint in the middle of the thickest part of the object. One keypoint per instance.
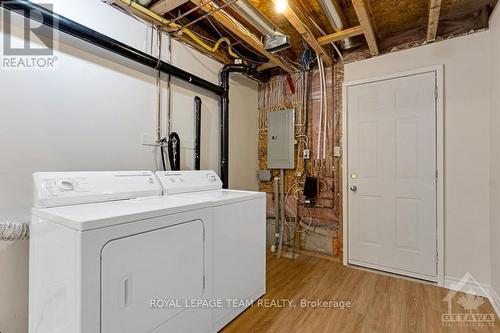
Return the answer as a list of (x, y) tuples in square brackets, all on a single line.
[(281, 139)]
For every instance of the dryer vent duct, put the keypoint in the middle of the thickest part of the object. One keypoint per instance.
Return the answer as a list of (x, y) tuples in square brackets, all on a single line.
[(274, 40), (334, 17)]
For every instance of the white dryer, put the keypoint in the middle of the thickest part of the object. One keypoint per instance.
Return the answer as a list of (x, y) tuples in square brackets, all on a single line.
[(239, 238), (105, 246)]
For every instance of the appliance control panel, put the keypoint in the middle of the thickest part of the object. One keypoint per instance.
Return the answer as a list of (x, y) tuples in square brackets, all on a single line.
[(175, 182), (52, 189)]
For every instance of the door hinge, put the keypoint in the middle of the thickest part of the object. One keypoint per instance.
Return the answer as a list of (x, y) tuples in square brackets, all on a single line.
[(203, 282), (437, 257), (437, 175), (436, 92)]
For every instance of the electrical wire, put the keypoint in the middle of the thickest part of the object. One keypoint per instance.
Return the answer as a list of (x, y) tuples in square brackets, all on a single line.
[(188, 32)]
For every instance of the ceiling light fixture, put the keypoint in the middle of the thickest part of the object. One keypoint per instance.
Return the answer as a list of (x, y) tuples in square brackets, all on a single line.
[(281, 5)]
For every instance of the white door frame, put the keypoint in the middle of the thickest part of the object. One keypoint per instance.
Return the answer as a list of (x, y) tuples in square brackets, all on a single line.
[(439, 71)]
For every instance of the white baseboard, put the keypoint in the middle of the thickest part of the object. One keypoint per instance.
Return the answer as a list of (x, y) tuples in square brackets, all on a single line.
[(475, 288)]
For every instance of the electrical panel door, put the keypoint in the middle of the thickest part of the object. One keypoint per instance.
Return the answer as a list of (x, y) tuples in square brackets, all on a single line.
[(281, 139)]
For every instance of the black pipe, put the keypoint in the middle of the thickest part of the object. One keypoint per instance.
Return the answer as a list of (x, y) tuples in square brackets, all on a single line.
[(79, 31), (84, 33), (251, 71), (197, 138)]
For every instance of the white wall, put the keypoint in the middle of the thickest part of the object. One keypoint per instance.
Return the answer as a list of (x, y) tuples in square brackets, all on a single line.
[(467, 141), (90, 114), (495, 152)]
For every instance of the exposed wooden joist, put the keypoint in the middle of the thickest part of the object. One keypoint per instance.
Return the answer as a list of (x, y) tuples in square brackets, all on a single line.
[(306, 33), (434, 12), (342, 34), (266, 66), (365, 19), (164, 6), (246, 36)]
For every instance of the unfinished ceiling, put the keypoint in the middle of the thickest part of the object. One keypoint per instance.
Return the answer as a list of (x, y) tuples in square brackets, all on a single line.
[(373, 25)]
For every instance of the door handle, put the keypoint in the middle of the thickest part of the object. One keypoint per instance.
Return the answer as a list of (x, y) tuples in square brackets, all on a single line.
[(354, 188)]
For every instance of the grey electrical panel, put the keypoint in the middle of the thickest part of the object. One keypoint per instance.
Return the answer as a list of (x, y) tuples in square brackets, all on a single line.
[(281, 139)]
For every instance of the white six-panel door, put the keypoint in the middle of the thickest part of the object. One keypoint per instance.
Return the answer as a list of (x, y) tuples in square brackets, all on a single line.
[(391, 175)]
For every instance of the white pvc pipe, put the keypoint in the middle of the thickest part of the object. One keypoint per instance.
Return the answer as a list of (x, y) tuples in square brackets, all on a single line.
[(318, 152), (325, 107)]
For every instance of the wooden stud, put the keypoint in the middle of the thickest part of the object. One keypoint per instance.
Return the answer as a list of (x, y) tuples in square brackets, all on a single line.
[(164, 6), (306, 33), (248, 37), (365, 19), (434, 12), (346, 33)]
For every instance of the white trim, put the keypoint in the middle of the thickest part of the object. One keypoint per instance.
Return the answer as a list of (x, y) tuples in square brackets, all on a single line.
[(393, 271), (475, 288), (439, 70)]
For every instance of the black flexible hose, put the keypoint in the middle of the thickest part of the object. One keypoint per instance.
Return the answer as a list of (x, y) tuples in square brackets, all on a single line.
[(174, 151)]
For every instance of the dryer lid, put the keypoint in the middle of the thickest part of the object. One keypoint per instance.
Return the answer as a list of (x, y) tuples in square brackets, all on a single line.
[(105, 214)]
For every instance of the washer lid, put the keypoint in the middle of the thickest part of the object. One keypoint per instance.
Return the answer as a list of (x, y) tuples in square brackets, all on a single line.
[(52, 189), (105, 214), (223, 197)]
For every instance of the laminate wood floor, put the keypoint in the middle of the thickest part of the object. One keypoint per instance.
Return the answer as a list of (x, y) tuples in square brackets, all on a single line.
[(379, 303)]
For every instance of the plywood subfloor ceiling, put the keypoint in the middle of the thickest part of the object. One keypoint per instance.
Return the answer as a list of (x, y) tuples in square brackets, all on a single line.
[(370, 24)]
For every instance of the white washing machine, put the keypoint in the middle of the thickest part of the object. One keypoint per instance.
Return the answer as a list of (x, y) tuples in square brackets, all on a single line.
[(239, 238), (105, 247)]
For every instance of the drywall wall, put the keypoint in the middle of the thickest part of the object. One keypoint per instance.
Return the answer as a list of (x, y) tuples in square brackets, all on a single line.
[(467, 165), (495, 153), (90, 114)]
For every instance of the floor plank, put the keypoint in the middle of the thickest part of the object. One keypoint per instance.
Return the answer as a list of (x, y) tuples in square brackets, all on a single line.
[(380, 303)]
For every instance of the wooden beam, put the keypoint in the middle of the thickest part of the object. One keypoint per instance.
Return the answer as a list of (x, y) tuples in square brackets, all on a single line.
[(266, 66), (229, 23), (434, 12), (306, 33), (342, 34), (164, 6), (365, 19)]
